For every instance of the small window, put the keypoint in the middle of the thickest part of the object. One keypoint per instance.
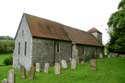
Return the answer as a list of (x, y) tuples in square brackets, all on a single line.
[(57, 47), (25, 48), (19, 48), (22, 33)]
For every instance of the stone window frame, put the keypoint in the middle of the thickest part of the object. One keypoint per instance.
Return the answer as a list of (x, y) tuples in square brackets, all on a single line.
[(57, 47), (25, 49), (18, 48)]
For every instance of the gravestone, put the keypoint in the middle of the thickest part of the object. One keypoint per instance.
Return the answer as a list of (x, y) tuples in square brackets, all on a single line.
[(93, 64), (46, 67), (37, 67), (73, 63), (23, 71), (64, 64), (11, 76), (4, 81), (75, 53), (109, 56), (100, 55), (57, 68), (32, 72), (82, 62)]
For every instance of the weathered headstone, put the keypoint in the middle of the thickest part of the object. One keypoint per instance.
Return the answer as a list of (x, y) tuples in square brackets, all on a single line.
[(46, 67), (73, 63), (57, 68), (64, 64), (11, 76), (32, 72), (23, 71), (4, 81), (82, 62), (37, 67), (75, 53), (100, 55), (93, 64), (109, 56)]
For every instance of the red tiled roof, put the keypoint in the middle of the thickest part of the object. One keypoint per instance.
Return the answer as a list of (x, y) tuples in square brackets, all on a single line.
[(44, 28)]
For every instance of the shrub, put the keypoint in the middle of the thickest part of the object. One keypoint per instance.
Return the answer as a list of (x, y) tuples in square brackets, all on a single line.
[(8, 60)]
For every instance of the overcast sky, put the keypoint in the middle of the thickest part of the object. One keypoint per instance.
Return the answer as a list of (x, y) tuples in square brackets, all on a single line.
[(81, 14)]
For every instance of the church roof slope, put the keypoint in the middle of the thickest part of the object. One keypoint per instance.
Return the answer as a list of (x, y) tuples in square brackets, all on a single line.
[(44, 28)]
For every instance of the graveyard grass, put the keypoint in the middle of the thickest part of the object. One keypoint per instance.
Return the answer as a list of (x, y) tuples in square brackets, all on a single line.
[(108, 71)]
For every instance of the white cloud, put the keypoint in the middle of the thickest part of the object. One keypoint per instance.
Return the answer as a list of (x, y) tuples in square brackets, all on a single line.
[(82, 14)]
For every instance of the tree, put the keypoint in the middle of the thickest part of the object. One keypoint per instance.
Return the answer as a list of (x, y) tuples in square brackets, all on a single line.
[(116, 29)]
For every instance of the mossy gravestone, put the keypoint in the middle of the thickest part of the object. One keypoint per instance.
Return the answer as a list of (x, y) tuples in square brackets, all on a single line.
[(37, 67), (93, 64), (82, 62), (4, 81), (46, 67), (32, 72), (11, 76), (57, 68), (23, 72), (73, 64)]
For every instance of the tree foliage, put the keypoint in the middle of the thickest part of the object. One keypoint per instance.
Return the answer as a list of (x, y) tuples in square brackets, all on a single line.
[(116, 25), (6, 44)]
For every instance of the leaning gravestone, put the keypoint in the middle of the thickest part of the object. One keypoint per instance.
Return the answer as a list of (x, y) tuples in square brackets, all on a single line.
[(64, 64), (46, 67), (37, 67), (5, 81), (32, 72), (11, 76), (93, 64), (23, 72), (57, 68), (73, 63)]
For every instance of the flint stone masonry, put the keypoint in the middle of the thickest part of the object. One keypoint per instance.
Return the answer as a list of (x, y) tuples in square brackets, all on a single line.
[(37, 67), (47, 51), (73, 64), (11, 76), (57, 68), (64, 64), (46, 67)]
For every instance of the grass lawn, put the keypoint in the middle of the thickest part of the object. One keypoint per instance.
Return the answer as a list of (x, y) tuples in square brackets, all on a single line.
[(108, 71)]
